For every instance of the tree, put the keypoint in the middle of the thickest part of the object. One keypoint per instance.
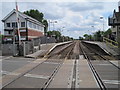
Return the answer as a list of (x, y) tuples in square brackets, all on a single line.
[(46, 26), (80, 38), (35, 14), (98, 35), (54, 33), (86, 36), (108, 34)]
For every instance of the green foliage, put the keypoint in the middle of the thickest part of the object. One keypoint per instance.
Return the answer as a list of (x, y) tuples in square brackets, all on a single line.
[(108, 33), (58, 36), (97, 36), (46, 25), (80, 38), (86, 36), (54, 33), (35, 14)]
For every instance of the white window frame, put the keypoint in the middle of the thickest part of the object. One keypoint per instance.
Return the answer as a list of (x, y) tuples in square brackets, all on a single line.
[(21, 24), (7, 26)]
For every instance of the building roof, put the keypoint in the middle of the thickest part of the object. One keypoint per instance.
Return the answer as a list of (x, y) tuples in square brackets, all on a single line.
[(116, 15), (22, 15)]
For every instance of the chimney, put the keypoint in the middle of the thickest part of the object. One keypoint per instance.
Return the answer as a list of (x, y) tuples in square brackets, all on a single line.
[(119, 6)]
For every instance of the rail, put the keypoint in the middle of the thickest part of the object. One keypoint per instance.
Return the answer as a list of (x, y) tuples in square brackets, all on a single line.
[(103, 57), (22, 74), (54, 72), (95, 73)]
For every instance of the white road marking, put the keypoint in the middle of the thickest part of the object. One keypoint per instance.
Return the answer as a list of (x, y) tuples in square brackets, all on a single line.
[(115, 62), (37, 76), (51, 63), (15, 61), (5, 72), (103, 64), (10, 73), (6, 57), (111, 81)]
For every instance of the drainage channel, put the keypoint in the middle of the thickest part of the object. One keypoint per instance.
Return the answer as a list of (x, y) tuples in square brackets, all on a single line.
[(74, 83), (74, 77)]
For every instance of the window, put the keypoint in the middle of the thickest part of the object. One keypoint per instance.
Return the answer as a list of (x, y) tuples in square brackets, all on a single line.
[(8, 24), (22, 24), (30, 24), (42, 29), (38, 27), (34, 26), (14, 24)]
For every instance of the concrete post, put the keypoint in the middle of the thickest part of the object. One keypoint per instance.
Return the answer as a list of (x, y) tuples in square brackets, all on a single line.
[(24, 49), (33, 46)]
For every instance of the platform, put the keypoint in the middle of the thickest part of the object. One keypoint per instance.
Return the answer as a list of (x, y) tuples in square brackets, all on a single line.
[(107, 48), (44, 48)]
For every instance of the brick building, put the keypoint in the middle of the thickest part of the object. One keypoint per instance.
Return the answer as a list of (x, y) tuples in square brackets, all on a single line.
[(28, 26)]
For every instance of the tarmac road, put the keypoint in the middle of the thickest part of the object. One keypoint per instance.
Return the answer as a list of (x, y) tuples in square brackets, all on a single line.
[(10, 63), (38, 76), (108, 73)]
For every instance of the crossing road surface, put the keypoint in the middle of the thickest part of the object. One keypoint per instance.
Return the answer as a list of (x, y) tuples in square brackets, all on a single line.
[(66, 66), (10, 63)]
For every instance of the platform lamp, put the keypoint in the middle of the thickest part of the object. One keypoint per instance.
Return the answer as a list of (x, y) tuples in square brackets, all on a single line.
[(102, 18), (93, 31)]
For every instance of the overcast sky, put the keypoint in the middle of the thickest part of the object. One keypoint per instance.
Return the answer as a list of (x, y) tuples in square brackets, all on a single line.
[(76, 17)]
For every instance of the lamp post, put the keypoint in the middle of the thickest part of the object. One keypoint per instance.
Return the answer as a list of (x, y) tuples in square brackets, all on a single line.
[(61, 30), (93, 31), (89, 35), (103, 26), (102, 18), (53, 24)]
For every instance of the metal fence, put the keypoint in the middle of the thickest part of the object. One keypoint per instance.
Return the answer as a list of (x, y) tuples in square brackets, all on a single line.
[(111, 42)]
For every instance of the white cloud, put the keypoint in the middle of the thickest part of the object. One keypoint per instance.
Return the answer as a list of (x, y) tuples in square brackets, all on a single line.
[(77, 17)]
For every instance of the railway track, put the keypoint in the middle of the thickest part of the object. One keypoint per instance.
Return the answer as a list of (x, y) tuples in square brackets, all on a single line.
[(54, 65), (96, 71), (56, 70), (102, 57), (43, 74)]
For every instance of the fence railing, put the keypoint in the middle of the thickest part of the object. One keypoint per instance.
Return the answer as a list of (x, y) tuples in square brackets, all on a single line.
[(111, 42)]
